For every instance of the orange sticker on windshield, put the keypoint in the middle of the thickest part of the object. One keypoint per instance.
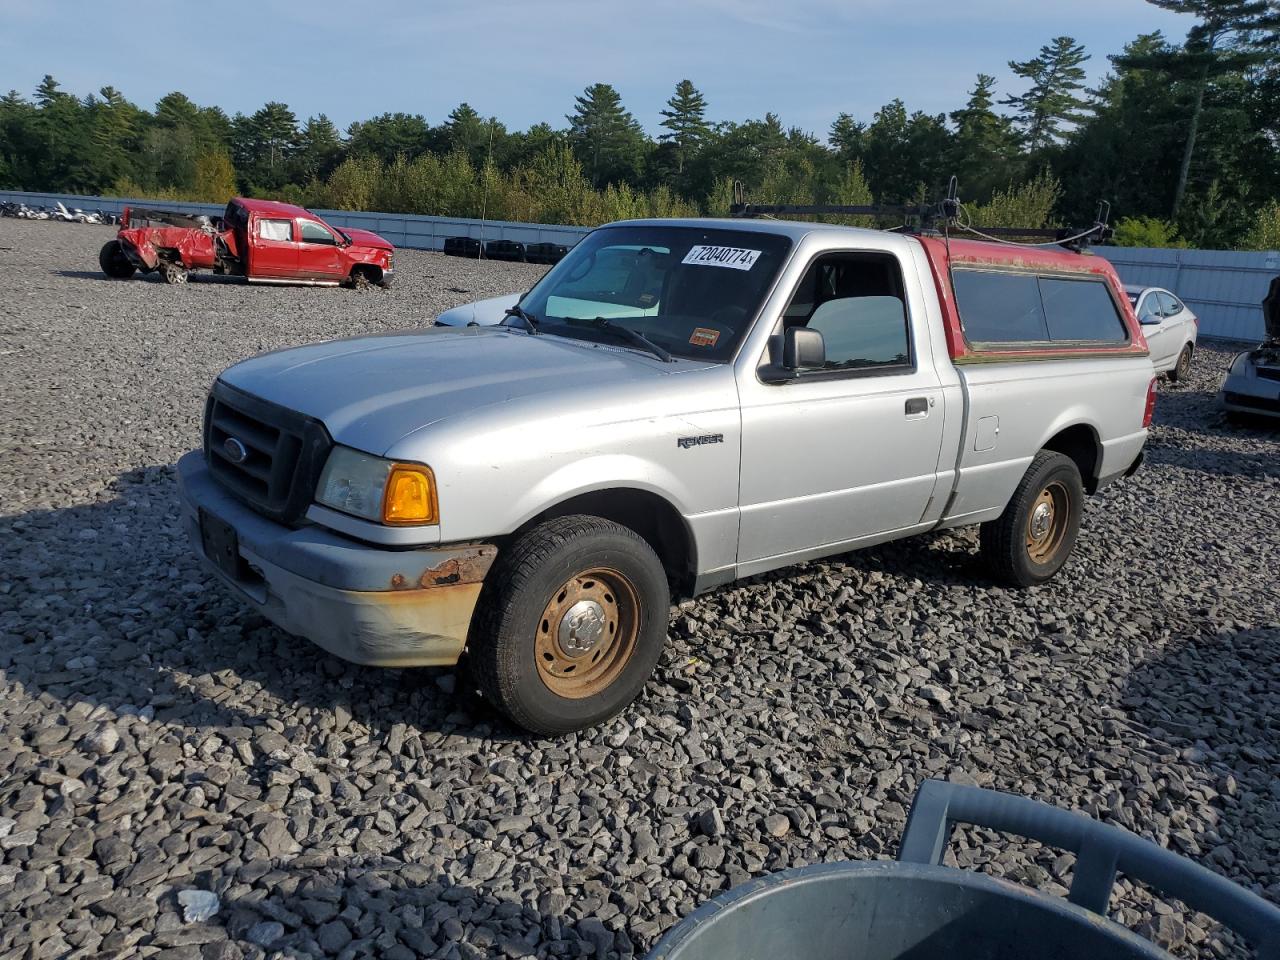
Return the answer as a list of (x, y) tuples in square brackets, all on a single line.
[(702, 337)]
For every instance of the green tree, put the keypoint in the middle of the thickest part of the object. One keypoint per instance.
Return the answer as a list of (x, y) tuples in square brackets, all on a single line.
[(1264, 232), (215, 178), (272, 139), (1229, 36), (469, 133), (389, 135), (847, 138), (319, 150), (1127, 150), (685, 122), (16, 118), (1030, 205), (1052, 101), (1147, 232), (906, 154), (984, 151), (605, 136)]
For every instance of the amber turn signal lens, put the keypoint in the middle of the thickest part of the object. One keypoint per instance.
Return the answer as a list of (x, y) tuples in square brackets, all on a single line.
[(410, 495)]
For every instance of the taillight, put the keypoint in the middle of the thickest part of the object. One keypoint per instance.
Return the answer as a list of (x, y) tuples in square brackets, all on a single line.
[(1150, 412)]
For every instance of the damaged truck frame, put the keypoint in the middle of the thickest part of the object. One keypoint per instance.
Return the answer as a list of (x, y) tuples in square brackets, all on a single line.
[(263, 241)]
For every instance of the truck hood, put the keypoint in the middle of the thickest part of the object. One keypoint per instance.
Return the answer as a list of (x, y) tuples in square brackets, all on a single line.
[(371, 391), (367, 238)]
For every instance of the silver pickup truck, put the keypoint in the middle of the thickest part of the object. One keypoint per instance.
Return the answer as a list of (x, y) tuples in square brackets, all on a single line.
[(676, 404)]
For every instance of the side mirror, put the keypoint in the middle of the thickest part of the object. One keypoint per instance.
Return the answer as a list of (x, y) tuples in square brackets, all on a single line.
[(802, 347), (1150, 320)]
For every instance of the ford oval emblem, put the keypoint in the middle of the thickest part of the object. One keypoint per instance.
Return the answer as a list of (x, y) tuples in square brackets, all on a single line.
[(235, 450)]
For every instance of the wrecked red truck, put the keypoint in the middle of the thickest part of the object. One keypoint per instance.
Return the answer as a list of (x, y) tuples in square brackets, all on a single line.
[(263, 241)]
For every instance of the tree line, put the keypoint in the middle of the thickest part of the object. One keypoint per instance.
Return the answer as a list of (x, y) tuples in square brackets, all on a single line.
[(1182, 137)]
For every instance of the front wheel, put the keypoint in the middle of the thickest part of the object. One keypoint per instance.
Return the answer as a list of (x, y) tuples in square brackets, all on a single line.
[(173, 272), (570, 625), (113, 261), (1028, 543)]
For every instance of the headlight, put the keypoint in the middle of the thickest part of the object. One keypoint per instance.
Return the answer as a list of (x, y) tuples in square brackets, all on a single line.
[(376, 489)]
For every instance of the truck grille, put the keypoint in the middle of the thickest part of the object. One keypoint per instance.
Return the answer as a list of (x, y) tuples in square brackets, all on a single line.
[(268, 456), (1269, 373)]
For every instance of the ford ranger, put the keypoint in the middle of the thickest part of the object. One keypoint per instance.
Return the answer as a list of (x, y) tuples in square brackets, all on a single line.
[(675, 405), (261, 240)]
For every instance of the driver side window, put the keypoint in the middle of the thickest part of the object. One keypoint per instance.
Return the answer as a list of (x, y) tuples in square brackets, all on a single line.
[(313, 232), (856, 301), (1150, 309)]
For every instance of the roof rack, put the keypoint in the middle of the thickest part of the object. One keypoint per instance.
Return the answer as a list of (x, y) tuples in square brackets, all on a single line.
[(933, 218)]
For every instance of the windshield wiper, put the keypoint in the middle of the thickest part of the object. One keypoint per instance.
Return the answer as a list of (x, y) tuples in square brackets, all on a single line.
[(626, 333), (530, 323)]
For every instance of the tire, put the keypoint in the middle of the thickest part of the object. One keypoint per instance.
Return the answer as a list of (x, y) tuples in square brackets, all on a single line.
[(1018, 546), (1182, 369), (537, 650), (114, 263), (173, 272)]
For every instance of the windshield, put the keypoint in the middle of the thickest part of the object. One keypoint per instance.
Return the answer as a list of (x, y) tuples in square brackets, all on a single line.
[(692, 291)]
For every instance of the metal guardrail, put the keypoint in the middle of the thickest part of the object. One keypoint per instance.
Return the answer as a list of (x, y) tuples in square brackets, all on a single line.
[(1224, 288)]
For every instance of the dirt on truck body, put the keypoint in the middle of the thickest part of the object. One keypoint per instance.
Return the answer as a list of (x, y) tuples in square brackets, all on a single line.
[(261, 240)]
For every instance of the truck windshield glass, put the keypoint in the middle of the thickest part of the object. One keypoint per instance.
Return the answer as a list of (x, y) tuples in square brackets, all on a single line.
[(691, 291)]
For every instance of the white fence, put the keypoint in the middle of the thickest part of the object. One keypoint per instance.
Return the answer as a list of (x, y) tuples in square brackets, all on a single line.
[(1224, 288)]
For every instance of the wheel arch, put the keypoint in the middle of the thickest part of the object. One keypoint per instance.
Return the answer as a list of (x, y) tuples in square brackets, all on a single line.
[(649, 514), (370, 270), (1079, 442)]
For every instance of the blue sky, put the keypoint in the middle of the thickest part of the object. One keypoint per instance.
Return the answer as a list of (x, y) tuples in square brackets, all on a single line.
[(523, 62)]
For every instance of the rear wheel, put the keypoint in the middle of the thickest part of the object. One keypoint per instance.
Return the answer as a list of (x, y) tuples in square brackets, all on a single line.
[(570, 625), (113, 261), (1182, 369), (1032, 539), (173, 272)]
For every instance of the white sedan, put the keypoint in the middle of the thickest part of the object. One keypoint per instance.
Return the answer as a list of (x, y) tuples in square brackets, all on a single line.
[(482, 313), (1170, 329)]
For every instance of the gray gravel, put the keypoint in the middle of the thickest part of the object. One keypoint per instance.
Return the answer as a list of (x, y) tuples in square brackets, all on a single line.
[(156, 738)]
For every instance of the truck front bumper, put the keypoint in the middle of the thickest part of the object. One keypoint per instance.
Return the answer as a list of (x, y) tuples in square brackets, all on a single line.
[(366, 604)]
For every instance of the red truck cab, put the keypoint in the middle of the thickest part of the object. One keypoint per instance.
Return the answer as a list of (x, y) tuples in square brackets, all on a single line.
[(264, 241)]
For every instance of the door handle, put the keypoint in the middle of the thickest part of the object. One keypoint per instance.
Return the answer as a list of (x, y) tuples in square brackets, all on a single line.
[(917, 406)]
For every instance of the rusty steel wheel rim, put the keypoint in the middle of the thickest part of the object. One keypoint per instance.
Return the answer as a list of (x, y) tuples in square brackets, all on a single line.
[(587, 633), (1047, 522)]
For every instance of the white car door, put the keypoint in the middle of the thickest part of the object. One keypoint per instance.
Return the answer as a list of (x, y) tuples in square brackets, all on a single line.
[(1179, 323), (848, 450), (1152, 318)]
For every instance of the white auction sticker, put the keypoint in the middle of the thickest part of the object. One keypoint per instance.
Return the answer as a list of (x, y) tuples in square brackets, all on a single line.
[(735, 258)]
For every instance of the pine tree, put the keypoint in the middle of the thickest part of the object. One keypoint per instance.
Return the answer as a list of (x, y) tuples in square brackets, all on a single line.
[(1056, 76), (1231, 35), (685, 119), (607, 139), (985, 147), (848, 137), (319, 147), (49, 92)]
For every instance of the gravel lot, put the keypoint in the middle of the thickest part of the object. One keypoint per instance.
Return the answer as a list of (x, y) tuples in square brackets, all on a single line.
[(156, 738)]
